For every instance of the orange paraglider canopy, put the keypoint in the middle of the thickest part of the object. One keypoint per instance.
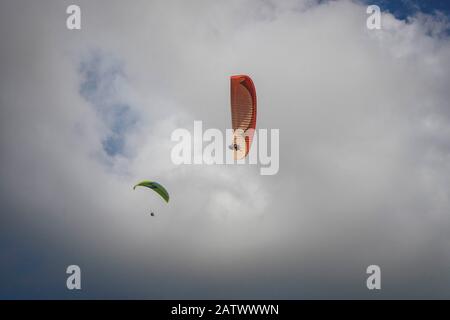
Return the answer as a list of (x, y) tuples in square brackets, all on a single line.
[(243, 114)]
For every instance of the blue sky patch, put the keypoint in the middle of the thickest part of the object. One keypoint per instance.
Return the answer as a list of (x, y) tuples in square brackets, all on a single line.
[(104, 86), (402, 9)]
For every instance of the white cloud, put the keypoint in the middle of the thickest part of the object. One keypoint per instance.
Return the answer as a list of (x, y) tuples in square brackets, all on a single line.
[(364, 156)]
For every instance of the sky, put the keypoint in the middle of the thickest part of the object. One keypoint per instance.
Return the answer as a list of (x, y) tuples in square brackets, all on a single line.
[(364, 173), (402, 9)]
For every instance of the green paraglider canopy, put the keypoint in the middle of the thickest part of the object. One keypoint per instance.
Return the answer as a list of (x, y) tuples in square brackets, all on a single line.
[(155, 186)]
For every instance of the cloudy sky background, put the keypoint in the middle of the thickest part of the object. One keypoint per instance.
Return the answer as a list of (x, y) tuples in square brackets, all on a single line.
[(364, 175)]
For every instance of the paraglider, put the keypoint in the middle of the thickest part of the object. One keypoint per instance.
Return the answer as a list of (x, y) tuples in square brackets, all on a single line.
[(155, 186), (243, 114), (234, 146)]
